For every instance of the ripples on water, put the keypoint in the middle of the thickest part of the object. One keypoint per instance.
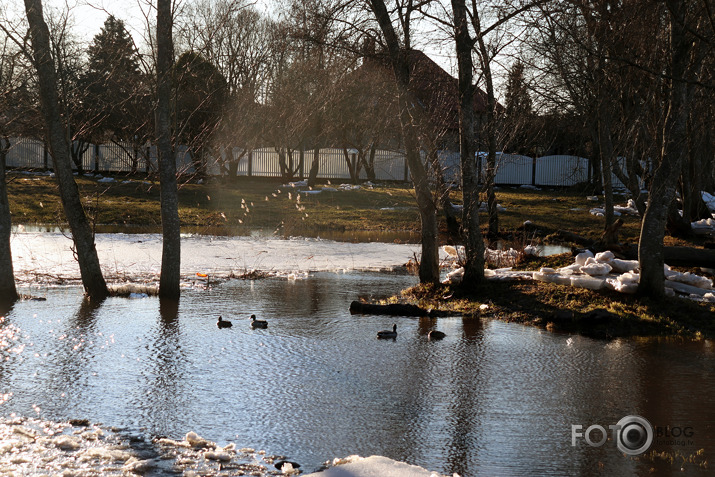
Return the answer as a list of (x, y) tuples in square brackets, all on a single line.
[(492, 398)]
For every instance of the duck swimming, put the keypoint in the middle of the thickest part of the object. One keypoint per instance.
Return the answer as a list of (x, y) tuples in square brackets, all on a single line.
[(258, 323), (221, 323), (387, 334), (435, 335)]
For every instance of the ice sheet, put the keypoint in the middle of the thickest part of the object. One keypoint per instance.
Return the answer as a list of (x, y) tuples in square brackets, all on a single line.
[(49, 256)]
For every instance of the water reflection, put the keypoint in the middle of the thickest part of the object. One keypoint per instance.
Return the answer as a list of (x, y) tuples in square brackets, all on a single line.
[(163, 392), (492, 398)]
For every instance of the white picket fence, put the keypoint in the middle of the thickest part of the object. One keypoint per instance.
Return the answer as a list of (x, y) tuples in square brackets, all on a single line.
[(512, 169)]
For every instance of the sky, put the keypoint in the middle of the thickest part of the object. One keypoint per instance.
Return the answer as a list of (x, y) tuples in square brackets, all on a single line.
[(89, 16)]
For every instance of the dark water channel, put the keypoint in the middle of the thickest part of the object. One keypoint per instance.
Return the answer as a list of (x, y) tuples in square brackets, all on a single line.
[(492, 398)]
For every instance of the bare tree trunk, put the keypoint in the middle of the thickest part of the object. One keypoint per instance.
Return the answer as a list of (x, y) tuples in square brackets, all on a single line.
[(8, 292), (314, 168), (473, 241), (491, 128), (429, 262), (605, 146), (171, 227), (90, 271), (662, 191)]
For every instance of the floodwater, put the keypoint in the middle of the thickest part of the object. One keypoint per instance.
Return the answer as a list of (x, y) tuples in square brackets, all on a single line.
[(492, 398)]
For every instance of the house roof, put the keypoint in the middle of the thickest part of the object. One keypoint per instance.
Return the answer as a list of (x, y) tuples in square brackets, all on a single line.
[(435, 90)]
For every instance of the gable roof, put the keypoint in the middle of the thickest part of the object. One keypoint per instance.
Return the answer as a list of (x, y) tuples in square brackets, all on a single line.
[(435, 90)]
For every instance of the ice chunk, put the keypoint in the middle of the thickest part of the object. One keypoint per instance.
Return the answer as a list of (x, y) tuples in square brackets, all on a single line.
[(450, 250), (596, 269), (455, 276), (196, 441), (623, 266), (67, 443), (625, 283), (588, 282), (218, 456), (552, 278), (692, 279), (531, 250), (583, 256), (605, 257), (685, 288), (570, 270)]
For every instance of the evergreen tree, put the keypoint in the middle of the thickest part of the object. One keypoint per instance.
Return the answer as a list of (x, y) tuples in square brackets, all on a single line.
[(113, 85), (201, 94), (519, 109)]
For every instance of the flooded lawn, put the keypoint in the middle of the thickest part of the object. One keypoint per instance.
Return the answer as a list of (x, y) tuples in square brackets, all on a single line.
[(492, 398)]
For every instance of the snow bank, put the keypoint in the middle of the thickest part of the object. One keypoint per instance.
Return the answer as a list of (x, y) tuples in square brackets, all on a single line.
[(373, 466)]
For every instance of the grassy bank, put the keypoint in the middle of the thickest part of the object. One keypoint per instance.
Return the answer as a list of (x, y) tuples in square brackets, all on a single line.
[(599, 314), (250, 203)]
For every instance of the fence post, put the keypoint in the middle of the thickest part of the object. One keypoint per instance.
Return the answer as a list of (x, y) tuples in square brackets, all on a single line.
[(96, 158), (250, 163), (533, 171), (301, 163), (147, 167)]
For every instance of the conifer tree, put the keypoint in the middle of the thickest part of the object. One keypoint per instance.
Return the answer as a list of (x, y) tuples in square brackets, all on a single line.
[(112, 86)]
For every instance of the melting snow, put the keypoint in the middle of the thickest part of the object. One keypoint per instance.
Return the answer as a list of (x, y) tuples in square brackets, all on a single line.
[(48, 257)]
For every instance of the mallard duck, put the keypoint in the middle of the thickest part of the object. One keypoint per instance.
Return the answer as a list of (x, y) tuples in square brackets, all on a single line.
[(258, 323), (387, 333), (435, 335), (221, 323)]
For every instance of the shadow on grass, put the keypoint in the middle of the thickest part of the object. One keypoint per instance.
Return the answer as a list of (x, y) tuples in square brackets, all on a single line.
[(602, 314)]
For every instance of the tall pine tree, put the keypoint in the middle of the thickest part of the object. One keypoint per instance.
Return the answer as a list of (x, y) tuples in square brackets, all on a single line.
[(115, 96), (519, 109)]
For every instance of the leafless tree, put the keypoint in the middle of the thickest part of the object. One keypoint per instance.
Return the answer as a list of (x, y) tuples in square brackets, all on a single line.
[(171, 227), (689, 31), (55, 131), (398, 52)]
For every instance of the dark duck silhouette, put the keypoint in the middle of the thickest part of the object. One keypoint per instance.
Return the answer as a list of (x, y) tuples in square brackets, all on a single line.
[(387, 334), (258, 323), (435, 335), (221, 323)]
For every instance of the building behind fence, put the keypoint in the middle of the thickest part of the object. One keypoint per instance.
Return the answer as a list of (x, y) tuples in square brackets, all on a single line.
[(512, 169)]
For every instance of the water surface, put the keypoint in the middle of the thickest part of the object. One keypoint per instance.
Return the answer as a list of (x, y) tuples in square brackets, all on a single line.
[(492, 398)]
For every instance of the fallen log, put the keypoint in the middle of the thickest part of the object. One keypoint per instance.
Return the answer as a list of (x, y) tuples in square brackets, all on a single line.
[(681, 256), (393, 309)]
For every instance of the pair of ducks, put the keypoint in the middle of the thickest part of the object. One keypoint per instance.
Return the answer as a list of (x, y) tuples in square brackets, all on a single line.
[(221, 323), (387, 334)]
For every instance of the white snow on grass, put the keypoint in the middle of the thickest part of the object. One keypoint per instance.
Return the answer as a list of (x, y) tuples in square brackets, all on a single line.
[(48, 257)]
